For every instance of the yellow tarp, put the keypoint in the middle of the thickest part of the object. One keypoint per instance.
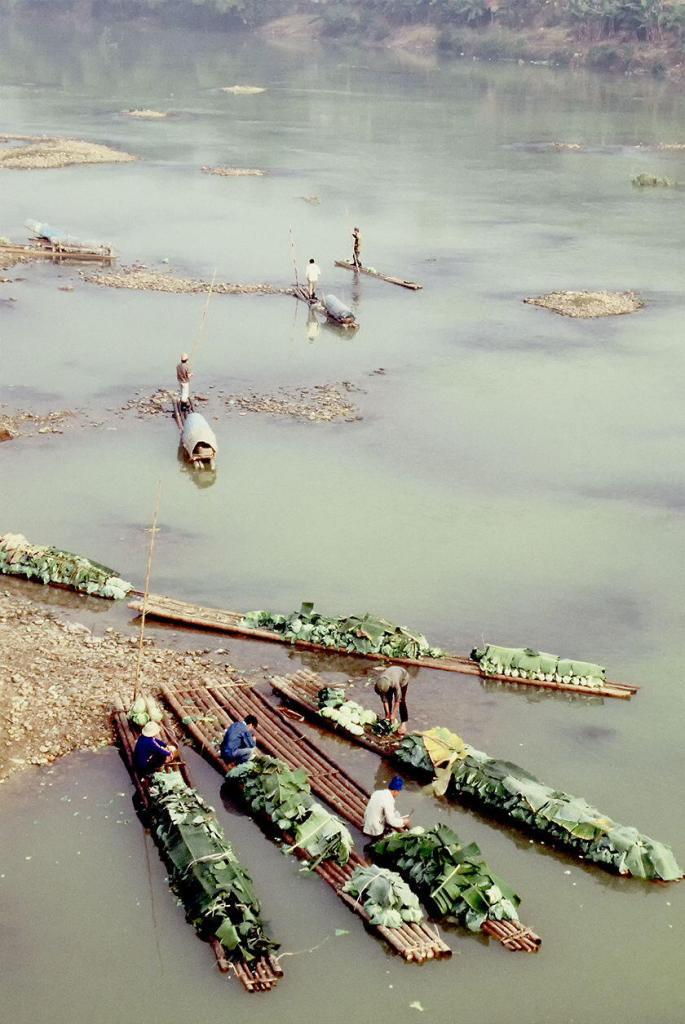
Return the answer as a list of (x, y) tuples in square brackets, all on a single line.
[(444, 748)]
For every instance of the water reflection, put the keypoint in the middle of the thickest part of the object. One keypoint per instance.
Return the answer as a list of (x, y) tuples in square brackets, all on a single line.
[(202, 477)]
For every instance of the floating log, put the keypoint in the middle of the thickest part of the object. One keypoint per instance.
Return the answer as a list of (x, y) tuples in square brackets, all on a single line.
[(401, 281), (261, 976), (206, 712), (232, 622)]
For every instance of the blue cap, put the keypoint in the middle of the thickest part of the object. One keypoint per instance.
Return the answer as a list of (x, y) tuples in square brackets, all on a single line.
[(396, 783)]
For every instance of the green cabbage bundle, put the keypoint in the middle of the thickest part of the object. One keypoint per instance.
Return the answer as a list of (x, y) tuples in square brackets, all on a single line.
[(364, 634), (282, 795), (452, 880), (525, 663), (144, 710), (50, 565), (388, 900), (568, 821), (216, 891)]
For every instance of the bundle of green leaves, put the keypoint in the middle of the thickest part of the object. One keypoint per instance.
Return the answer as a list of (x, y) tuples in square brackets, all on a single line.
[(283, 796), (215, 889), (50, 565), (364, 634), (567, 820), (350, 716), (452, 880), (388, 900), (525, 663)]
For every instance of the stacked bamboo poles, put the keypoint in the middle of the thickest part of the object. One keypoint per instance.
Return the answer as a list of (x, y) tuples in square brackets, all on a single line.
[(222, 705), (223, 621), (261, 976), (302, 689)]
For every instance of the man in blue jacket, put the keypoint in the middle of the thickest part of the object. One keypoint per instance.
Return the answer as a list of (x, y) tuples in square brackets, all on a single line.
[(150, 753), (239, 743)]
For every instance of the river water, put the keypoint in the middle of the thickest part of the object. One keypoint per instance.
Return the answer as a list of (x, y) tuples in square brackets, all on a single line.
[(515, 476)]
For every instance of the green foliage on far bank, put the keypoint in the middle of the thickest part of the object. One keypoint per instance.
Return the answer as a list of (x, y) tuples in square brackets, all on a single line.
[(623, 35)]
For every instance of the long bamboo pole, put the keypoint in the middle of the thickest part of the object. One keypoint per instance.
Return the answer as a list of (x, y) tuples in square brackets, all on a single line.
[(292, 252), (203, 319), (148, 570)]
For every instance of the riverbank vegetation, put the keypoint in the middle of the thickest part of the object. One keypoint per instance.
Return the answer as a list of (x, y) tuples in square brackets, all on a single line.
[(632, 36)]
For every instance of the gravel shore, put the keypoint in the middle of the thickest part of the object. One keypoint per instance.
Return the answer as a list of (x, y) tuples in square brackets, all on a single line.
[(57, 680)]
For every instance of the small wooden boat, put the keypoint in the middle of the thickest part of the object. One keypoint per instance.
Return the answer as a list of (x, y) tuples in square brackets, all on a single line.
[(338, 312), (401, 281), (198, 440), (260, 976)]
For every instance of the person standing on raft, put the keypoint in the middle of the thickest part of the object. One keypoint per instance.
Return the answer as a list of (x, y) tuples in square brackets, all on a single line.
[(313, 275), (183, 375), (391, 687), (357, 248)]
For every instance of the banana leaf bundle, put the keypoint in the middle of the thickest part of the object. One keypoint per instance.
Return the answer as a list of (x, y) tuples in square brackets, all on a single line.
[(347, 714), (507, 789), (452, 880), (273, 790), (216, 891), (356, 634), (525, 663), (50, 565), (388, 900)]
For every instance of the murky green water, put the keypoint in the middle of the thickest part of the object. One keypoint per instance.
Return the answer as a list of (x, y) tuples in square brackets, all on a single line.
[(516, 476)]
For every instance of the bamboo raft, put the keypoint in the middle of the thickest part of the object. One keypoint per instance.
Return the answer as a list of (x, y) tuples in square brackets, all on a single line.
[(58, 252), (171, 610), (215, 708), (330, 782), (401, 281), (264, 974)]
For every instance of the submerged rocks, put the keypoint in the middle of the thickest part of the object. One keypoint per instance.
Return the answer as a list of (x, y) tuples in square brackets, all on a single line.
[(322, 403), (588, 304), (234, 172)]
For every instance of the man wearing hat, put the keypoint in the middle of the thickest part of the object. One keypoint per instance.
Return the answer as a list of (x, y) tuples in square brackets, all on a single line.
[(183, 375), (381, 815), (149, 753), (391, 686)]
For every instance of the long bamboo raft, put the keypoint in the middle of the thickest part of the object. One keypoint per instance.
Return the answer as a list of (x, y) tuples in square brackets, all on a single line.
[(264, 974), (284, 739), (401, 281), (217, 619), (206, 712), (59, 252)]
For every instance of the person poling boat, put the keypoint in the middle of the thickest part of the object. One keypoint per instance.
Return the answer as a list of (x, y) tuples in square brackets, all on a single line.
[(239, 744), (357, 248), (313, 274), (150, 754), (381, 815), (391, 687), (183, 375)]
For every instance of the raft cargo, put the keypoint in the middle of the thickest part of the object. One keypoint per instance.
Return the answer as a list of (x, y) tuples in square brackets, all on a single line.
[(564, 821), (206, 712), (264, 973), (338, 312), (59, 568), (281, 737), (219, 620), (401, 281)]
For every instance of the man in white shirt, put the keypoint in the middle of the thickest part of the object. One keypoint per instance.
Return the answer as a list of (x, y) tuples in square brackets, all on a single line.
[(381, 815), (313, 275)]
